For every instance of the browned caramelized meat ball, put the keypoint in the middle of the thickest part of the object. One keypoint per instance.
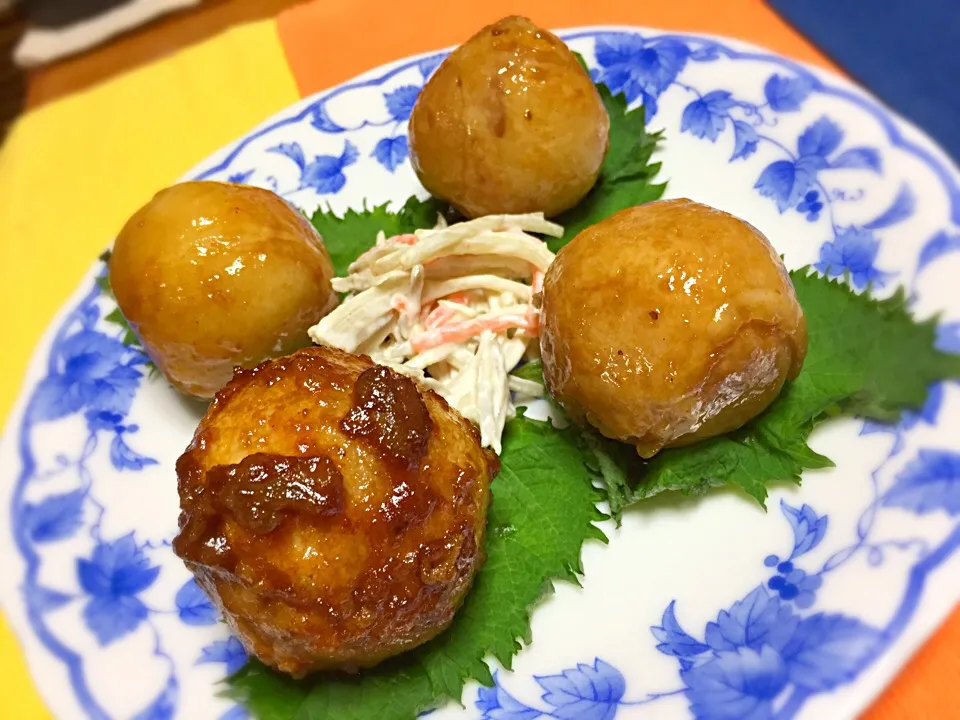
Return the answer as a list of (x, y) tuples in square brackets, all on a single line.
[(668, 323), (510, 123), (332, 510), (212, 276)]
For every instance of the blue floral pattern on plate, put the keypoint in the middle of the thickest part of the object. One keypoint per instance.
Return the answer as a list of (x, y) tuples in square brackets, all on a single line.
[(100, 588), (764, 651)]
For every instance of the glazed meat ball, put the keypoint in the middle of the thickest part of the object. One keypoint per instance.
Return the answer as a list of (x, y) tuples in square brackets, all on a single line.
[(509, 123), (333, 511), (212, 275), (668, 323)]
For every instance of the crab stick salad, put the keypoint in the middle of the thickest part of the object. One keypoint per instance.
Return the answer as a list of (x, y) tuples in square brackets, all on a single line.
[(455, 307)]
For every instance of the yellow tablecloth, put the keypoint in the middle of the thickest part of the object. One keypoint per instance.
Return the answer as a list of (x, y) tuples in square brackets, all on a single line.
[(73, 171)]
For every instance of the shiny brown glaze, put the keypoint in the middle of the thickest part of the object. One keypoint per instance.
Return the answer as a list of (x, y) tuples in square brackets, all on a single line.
[(389, 413), (212, 276), (509, 123), (257, 493), (333, 511), (668, 323)]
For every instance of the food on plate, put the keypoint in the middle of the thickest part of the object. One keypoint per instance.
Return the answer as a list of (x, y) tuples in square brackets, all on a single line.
[(213, 275), (509, 123), (334, 505), (668, 323), (455, 301), (333, 510)]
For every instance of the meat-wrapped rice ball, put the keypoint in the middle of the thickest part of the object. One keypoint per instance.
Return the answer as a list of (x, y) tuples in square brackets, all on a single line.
[(668, 323), (333, 510)]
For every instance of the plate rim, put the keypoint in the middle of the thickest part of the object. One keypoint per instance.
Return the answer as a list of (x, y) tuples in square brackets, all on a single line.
[(921, 146)]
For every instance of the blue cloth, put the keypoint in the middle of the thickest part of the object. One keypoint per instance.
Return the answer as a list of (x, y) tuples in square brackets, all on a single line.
[(906, 52)]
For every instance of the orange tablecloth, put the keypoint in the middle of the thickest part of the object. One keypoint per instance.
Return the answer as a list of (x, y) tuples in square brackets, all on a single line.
[(323, 44)]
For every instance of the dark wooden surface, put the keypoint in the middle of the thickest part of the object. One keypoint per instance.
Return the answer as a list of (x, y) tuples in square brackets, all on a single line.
[(13, 88)]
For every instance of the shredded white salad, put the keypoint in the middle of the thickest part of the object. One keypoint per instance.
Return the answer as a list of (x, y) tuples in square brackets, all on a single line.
[(452, 307)]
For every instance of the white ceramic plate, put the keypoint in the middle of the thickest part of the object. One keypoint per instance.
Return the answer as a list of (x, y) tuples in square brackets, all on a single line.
[(709, 608)]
